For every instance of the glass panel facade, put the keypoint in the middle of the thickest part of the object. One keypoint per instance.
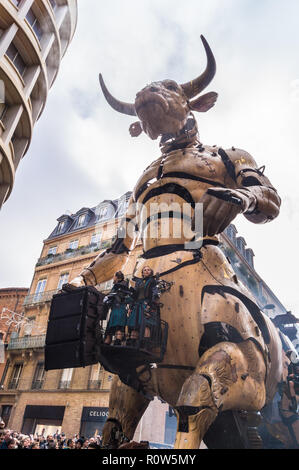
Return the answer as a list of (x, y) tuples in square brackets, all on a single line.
[(33, 21), (14, 55)]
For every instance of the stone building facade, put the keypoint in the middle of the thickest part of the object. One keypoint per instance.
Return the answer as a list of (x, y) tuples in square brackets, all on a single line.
[(76, 400), (34, 36), (11, 313)]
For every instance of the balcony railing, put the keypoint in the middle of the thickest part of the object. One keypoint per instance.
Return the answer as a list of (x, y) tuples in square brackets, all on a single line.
[(13, 384), (24, 384), (40, 297), (32, 385), (46, 296), (72, 253), (64, 384), (37, 384), (27, 342)]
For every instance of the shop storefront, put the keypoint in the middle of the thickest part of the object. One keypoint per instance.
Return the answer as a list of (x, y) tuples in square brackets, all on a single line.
[(92, 421), (5, 411), (42, 419)]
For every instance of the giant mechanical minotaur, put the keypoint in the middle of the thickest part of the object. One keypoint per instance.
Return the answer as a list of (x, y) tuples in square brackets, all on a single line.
[(223, 355)]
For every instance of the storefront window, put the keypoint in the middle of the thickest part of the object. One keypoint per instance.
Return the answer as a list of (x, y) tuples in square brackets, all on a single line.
[(42, 419), (92, 421), (5, 413)]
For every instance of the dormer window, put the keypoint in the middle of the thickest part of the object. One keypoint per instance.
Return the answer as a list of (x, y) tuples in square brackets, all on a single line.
[(61, 226), (82, 220), (103, 212)]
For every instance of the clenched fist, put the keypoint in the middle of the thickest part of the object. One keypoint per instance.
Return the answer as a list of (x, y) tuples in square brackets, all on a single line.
[(221, 206)]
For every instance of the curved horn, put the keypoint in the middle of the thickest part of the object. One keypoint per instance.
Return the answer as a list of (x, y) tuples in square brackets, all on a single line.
[(120, 106), (194, 87)]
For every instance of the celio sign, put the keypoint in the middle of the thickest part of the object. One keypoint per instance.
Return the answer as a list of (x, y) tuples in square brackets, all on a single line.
[(98, 413), (94, 414)]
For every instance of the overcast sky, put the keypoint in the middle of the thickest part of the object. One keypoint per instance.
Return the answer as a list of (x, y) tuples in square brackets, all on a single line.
[(81, 152)]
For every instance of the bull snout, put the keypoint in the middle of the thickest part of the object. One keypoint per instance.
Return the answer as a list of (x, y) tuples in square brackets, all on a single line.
[(150, 96)]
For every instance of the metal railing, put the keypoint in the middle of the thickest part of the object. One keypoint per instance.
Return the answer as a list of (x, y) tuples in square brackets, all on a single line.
[(71, 253), (27, 342), (32, 385), (37, 384), (40, 297), (13, 384), (46, 296), (64, 384), (24, 384)]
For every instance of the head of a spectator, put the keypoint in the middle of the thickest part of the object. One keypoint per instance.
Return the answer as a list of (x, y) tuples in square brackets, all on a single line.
[(50, 437), (79, 443), (93, 445), (70, 444), (51, 444), (85, 444), (26, 443), (11, 443), (35, 445)]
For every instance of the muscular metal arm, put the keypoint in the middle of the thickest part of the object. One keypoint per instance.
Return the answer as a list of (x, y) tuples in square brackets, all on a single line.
[(107, 263), (258, 199), (253, 183)]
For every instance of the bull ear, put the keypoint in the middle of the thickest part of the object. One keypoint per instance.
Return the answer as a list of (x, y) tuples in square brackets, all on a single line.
[(204, 103), (135, 129)]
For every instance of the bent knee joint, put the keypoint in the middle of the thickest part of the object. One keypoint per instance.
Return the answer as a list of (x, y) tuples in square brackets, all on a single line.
[(195, 401), (237, 374)]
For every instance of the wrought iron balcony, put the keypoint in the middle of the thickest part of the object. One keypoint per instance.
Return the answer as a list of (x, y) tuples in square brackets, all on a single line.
[(64, 384), (24, 384), (13, 384), (72, 253), (27, 342), (46, 296), (40, 297), (37, 384)]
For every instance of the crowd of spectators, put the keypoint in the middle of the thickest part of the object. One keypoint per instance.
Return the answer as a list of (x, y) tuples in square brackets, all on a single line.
[(14, 440)]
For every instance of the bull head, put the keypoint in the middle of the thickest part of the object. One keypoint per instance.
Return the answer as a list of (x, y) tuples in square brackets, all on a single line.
[(163, 107)]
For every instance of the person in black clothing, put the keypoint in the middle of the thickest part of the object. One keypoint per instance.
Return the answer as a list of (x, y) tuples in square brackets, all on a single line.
[(293, 381), (117, 300), (145, 307)]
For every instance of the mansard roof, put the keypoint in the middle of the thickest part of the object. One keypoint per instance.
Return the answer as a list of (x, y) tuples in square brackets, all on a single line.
[(104, 211)]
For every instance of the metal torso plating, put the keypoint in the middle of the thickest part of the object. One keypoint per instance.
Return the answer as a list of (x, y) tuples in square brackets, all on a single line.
[(174, 183)]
